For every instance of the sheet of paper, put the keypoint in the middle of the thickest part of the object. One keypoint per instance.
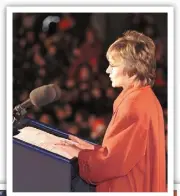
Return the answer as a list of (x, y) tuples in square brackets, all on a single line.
[(44, 140)]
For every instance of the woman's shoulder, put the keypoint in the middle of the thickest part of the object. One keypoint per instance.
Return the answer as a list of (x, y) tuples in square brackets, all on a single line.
[(142, 99)]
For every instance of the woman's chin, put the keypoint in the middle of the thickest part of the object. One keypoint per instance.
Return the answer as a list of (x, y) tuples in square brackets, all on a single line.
[(116, 85), (113, 85)]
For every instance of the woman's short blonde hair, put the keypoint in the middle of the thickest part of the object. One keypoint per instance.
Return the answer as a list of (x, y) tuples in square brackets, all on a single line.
[(138, 53)]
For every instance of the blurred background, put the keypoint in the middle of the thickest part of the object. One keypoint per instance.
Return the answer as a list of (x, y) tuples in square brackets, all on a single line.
[(69, 49)]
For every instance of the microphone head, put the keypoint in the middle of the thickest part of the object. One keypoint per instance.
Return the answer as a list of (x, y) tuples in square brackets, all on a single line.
[(44, 95)]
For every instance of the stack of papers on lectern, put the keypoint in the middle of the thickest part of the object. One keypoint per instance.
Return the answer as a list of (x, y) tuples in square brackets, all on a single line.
[(45, 140)]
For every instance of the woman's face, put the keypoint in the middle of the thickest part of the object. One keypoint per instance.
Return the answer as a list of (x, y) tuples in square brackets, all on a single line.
[(116, 75)]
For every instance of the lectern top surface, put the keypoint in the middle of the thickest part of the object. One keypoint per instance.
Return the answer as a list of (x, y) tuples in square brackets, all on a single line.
[(44, 140)]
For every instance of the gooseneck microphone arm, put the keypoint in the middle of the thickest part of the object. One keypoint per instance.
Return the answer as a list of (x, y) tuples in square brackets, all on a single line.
[(18, 113)]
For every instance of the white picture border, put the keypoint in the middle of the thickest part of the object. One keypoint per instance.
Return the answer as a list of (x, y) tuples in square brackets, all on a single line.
[(97, 9), (2, 187)]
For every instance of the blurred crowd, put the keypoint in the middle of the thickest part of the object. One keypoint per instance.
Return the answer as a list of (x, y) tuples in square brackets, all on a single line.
[(71, 53)]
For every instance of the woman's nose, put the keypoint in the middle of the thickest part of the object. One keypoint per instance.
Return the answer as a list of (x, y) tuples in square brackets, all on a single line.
[(108, 70)]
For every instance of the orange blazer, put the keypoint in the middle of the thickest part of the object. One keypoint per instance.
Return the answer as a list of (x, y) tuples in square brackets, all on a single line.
[(132, 155)]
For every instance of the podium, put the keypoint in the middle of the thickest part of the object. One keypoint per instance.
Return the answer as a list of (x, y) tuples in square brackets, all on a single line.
[(3, 192), (38, 170)]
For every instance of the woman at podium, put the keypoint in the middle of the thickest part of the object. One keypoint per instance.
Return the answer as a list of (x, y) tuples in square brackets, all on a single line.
[(132, 155)]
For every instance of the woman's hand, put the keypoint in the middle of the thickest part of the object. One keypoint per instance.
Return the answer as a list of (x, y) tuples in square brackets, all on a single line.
[(71, 149), (74, 145), (81, 143)]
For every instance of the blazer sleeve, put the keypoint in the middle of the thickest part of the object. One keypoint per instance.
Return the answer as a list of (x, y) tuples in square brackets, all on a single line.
[(122, 149)]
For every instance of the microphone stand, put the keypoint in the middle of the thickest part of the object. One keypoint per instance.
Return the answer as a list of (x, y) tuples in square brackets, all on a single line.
[(18, 113)]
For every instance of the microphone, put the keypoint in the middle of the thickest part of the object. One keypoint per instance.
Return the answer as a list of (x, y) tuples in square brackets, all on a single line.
[(38, 97), (44, 95)]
